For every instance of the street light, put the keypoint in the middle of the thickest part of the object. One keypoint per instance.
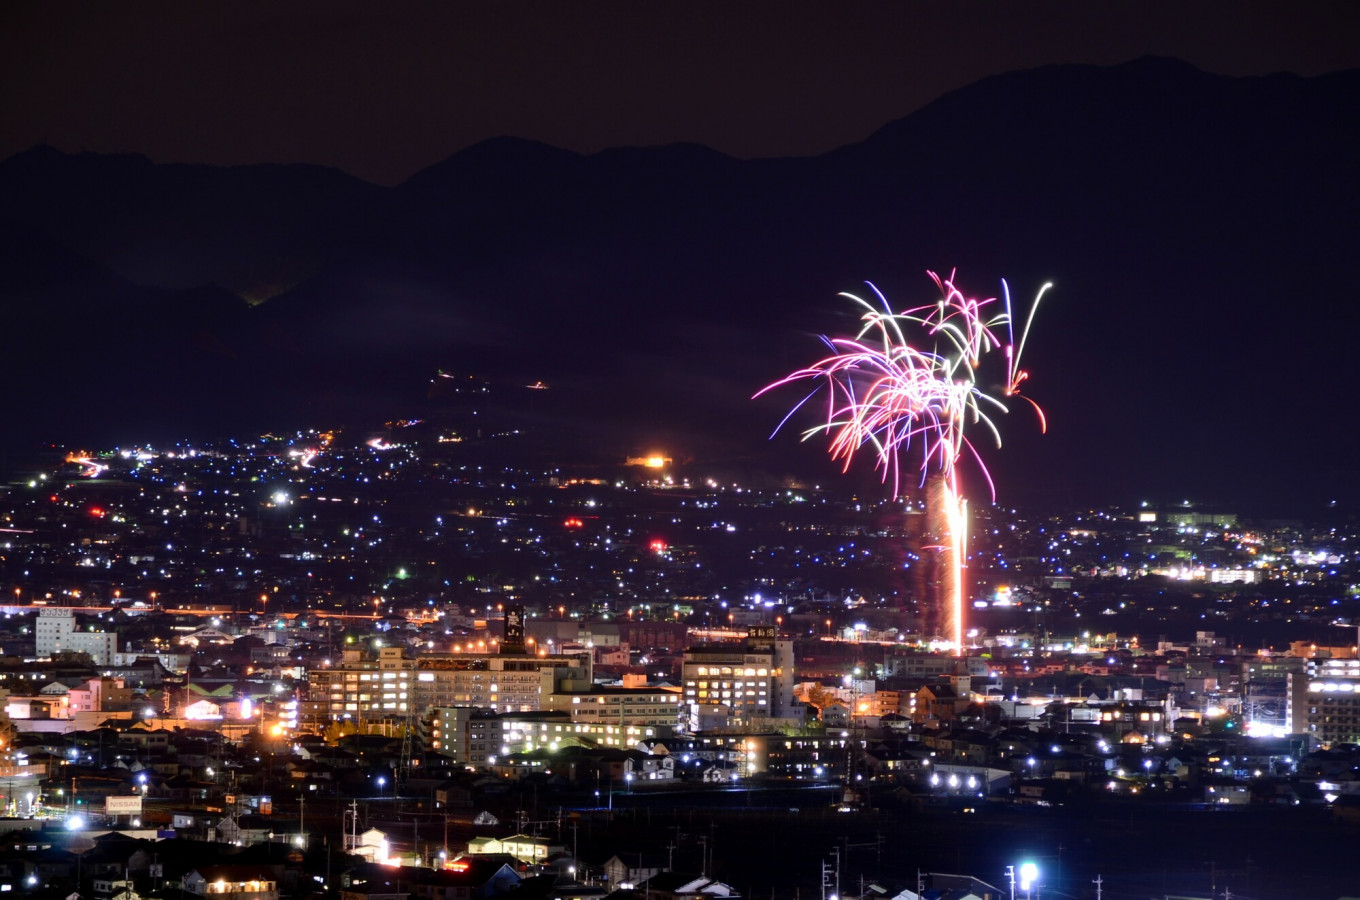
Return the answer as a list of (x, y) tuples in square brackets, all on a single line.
[(1029, 873)]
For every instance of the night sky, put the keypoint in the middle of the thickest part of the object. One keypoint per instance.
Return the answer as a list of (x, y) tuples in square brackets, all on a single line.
[(382, 90), (1159, 353)]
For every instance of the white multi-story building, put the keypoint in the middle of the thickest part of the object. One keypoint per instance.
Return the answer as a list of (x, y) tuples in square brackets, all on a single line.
[(55, 632), (635, 703), (753, 679), (466, 735), (504, 683), (396, 686), (1324, 700)]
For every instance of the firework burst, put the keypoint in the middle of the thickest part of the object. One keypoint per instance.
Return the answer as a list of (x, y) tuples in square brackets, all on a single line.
[(905, 388)]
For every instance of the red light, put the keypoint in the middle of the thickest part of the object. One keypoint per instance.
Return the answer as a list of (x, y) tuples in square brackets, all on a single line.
[(96, 512), (574, 522), (658, 545), (458, 865)]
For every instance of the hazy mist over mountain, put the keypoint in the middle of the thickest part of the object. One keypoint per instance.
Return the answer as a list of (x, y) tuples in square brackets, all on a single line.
[(1197, 228)]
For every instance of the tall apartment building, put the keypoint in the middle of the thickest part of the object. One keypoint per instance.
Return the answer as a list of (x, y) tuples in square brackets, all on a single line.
[(753, 679), (505, 683), (1324, 700), (467, 735), (55, 632), (1265, 693), (395, 686)]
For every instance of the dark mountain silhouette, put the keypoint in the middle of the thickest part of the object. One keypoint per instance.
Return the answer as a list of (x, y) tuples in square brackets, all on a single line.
[(1197, 228)]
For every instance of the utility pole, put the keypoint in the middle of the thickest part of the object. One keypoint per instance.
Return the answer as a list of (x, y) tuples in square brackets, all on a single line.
[(408, 727), (1097, 881), (352, 839), (831, 876)]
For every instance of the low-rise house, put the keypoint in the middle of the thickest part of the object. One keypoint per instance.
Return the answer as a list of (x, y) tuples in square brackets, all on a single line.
[(836, 715), (648, 767), (523, 847), (896, 757), (887, 892), (963, 887), (310, 772), (146, 737), (388, 887), (48, 865), (719, 771), (452, 795), (634, 870), (937, 702), (468, 878), (232, 882), (192, 823), (107, 888), (682, 886), (244, 829), (371, 845), (942, 887)]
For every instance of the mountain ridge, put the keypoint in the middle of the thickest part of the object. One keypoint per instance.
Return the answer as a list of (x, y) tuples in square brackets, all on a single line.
[(1173, 208)]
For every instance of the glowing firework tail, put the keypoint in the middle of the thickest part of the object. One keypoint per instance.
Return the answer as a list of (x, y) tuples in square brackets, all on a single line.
[(901, 397)]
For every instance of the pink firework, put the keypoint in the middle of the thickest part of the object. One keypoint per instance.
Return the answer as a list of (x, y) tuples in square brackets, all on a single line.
[(902, 398)]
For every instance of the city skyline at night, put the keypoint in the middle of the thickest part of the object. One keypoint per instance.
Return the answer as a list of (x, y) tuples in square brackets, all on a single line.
[(401, 495)]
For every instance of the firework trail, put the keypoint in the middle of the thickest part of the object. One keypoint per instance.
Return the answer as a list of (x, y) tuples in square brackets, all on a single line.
[(906, 389)]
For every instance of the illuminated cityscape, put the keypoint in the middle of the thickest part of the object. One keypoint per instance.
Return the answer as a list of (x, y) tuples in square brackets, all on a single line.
[(299, 621), (457, 451)]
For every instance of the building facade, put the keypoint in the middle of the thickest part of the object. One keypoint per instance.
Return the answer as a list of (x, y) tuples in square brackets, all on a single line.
[(1324, 701), (476, 738), (395, 686), (751, 678), (55, 632), (657, 707)]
